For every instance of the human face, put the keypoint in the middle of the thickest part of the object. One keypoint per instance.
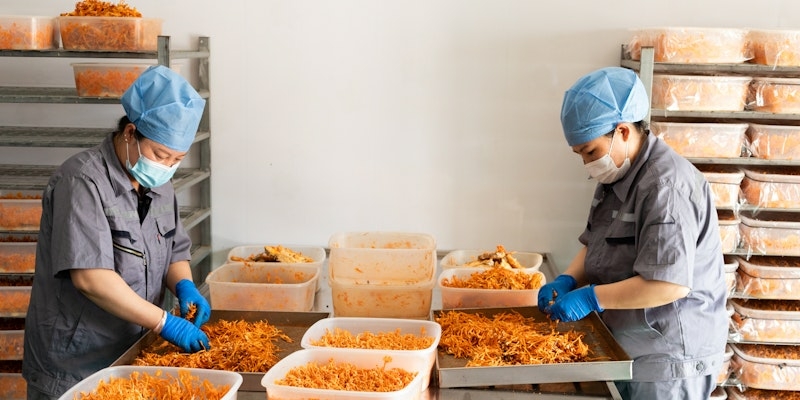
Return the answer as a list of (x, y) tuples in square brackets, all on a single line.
[(159, 153), (600, 146)]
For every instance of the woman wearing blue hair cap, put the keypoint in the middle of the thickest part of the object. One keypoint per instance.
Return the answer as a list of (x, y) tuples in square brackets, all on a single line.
[(111, 243), (651, 263)]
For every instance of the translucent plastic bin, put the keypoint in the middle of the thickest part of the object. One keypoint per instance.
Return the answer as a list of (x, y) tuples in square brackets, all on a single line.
[(414, 363), (15, 296), (11, 344), (258, 286), (453, 297), (731, 266), (724, 182), (775, 321), (214, 377), (105, 79), (772, 367), (775, 95), (459, 258), (381, 299), (725, 370), (13, 386), (728, 231), (20, 210), (702, 139), (109, 33), (775, 47), (27, 33), (774, 142), (17, 257), (740, 393), (382, 256), (240, 253), (772, 233), (692, 45), (772, 187), (769, 277), (359, 326), (700, 93)]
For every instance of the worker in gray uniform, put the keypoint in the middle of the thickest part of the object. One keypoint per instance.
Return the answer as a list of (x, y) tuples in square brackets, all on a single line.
[(111, 242), (651, 262)]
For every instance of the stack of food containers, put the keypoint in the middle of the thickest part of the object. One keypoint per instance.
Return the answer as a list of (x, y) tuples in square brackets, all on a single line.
[(382, 274)]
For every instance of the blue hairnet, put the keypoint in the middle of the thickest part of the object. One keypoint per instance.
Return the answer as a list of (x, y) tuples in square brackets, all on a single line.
[(164, 107), (597, 102)]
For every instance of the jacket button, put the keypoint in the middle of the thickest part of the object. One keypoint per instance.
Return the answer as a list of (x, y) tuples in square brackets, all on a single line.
[(700, 366)]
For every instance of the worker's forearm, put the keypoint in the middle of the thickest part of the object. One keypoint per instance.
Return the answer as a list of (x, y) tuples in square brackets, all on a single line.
[(110, 292), (637, 292)]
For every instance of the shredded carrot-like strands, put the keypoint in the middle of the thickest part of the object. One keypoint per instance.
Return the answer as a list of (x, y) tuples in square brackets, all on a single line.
[(276, 254), (23, 36), (346, 376), (499, 258), (367, 340), (157, 386), (105, 82), (98, 8), (508, 339), (238, 346), (496, 278)]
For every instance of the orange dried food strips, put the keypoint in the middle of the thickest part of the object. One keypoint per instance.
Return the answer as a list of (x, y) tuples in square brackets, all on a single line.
[(238, 346), (508, 339), (498, 258), (761, 394), (276, 254), (343, 338), (345, 376), (27, 34), (496, 278), (142, 385), (104, 81), (98, 8)]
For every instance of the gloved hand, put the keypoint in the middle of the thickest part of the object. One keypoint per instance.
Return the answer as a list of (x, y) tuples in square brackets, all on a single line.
[(575, 305), (187, 294), (558, 287), (183, 334)]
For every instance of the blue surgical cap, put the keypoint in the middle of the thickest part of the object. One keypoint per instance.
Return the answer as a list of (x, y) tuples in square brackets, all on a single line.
[(597, 102), (164, 107)]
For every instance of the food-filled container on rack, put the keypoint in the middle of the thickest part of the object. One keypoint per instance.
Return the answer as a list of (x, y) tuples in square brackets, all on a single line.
[(724, 181), (772, 321), (382, 256), (775, 95), (457, 292), (27, 33), (770, 233), (20, 210), (725, 370), (693, 45), (699, 93), (17, 254), (772, 187), (15, 295), (183, 382), (381, 299), (769, 277), (775, 47), (728, 230), (774, 142), (13, 386), (740, 393), (390, 335), (529, 261), (261, 286), (109, 33), (399, 374), (771, 367), (105, 79), (12, 334), (731, 266), (700, 139), (280, 254)]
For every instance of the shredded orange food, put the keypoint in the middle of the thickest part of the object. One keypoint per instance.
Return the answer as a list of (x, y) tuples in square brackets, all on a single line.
[(26, 36), (142, 385), (239, 346), (106, 82), (496, 278), (499, 258), (345, 376), (17, 262), (277, 254), (98, 8), (20, 217), (508, 339), (343, 338)]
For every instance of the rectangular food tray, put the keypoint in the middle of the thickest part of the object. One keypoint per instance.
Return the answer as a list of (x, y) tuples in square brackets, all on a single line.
[(453, 372), (293, 324)]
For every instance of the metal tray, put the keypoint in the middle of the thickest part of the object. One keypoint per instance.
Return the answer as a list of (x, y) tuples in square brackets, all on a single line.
[(293, 324), (453, 372)]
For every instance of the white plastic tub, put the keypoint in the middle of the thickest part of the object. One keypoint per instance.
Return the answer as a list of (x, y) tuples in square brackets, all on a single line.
[(453, 297), (458, 258), (381, 299), (769, 277), (260, 286), (384, 256), (771, 233), (316, 253), (769, 321), (772, 187), (766, 373)]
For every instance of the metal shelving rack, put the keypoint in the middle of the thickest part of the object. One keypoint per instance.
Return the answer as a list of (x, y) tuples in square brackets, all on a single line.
[(196, 219)]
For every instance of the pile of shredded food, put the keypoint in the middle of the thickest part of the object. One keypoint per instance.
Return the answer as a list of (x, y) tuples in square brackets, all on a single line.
[(277, 254), (343, 338), (499, 258), (157, 386), (508, 339), (239, 346), (345, 376), (496, 278), (99, 8)]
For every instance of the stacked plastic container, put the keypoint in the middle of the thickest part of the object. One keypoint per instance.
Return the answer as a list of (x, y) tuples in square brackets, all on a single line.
[(382, 274)]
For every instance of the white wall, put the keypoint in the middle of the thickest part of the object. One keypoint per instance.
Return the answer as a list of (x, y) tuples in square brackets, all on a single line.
[(416, 115)]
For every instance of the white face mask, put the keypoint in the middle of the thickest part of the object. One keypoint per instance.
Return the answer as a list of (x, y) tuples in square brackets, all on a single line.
[(604, 170)]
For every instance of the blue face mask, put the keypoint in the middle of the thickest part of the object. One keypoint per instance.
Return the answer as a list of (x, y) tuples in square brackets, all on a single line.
[(147, 172)]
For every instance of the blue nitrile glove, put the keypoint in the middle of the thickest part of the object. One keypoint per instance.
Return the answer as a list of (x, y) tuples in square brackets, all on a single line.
[(560, 286), (183, 334), (187, 294), (575, 305)]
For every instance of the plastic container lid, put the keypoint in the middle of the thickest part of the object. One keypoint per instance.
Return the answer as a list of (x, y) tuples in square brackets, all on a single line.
[(779, 175), (723, 174), (776, 81), (765, 267), (740, 306), (768, 219), (760, 360), (731, 264)]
